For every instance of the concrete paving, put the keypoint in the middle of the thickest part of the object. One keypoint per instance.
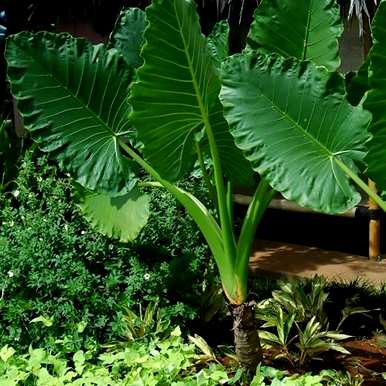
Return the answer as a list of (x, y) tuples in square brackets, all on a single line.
[(282, 259)]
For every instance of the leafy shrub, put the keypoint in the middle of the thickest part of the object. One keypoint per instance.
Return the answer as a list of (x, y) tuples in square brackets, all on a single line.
[(52, 264)]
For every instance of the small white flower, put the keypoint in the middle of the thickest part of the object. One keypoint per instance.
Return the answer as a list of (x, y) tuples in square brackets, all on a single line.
[(16, 193), (146, 276), (40, 179), (111, 247), (11, 274), (83, 232), (11, 223), (40, 238)]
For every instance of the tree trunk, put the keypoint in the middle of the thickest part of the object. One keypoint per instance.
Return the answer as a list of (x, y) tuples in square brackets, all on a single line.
[(247, 342)]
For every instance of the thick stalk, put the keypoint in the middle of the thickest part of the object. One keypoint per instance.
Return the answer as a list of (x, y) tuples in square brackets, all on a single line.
[(225, 221), (247, 343), (208, 183), (378, 200), (230, 200), (226, 225), (256, 209), (211, 231)]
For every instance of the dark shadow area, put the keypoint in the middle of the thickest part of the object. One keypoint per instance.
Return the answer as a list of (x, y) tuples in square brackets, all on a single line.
[(335, 233)]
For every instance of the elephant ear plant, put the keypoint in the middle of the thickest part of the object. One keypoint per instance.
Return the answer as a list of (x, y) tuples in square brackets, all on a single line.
[(104, 119)]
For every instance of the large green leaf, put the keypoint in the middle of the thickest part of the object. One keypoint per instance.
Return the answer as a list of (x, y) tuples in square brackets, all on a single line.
[(127, 36), (177, 93), (120, 217), (293, 123), (307, 29), (218, 41), (376, 100), (73, 98), (177, 87)]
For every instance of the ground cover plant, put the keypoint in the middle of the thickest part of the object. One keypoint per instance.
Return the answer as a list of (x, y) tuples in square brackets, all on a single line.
[(166, 361), (278, 109)]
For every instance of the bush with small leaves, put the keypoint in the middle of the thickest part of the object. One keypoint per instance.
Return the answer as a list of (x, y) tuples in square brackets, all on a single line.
[(54, 266)]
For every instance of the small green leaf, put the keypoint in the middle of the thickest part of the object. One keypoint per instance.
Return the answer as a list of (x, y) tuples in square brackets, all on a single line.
[(6, 353), (176, 331), (202, 345), (79, 361), (47, 322), (337, 336), (81, 326)]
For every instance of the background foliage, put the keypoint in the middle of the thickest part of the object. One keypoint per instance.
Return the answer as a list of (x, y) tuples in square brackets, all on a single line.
[(53, 265)]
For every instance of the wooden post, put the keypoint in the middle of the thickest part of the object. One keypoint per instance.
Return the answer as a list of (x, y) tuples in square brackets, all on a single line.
[(375, 221), (374, 227)]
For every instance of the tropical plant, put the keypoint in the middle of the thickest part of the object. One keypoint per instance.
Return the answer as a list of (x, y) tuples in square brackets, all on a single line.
[(295, 323), (145, 324), (283, 117), (313, 340)]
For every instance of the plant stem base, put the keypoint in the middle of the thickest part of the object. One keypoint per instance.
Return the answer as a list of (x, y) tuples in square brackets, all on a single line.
[(247, 343)]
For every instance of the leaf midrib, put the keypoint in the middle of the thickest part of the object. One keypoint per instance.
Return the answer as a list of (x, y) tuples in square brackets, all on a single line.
[(297, 125), (307, 34), (204, 113)]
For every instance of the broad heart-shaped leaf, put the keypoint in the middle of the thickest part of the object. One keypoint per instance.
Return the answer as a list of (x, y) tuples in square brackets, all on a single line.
[(73, 98), (218, 41), (292, 121), (376, 100), (178, 85), (127, 36), (307, 29), (119, 217)]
